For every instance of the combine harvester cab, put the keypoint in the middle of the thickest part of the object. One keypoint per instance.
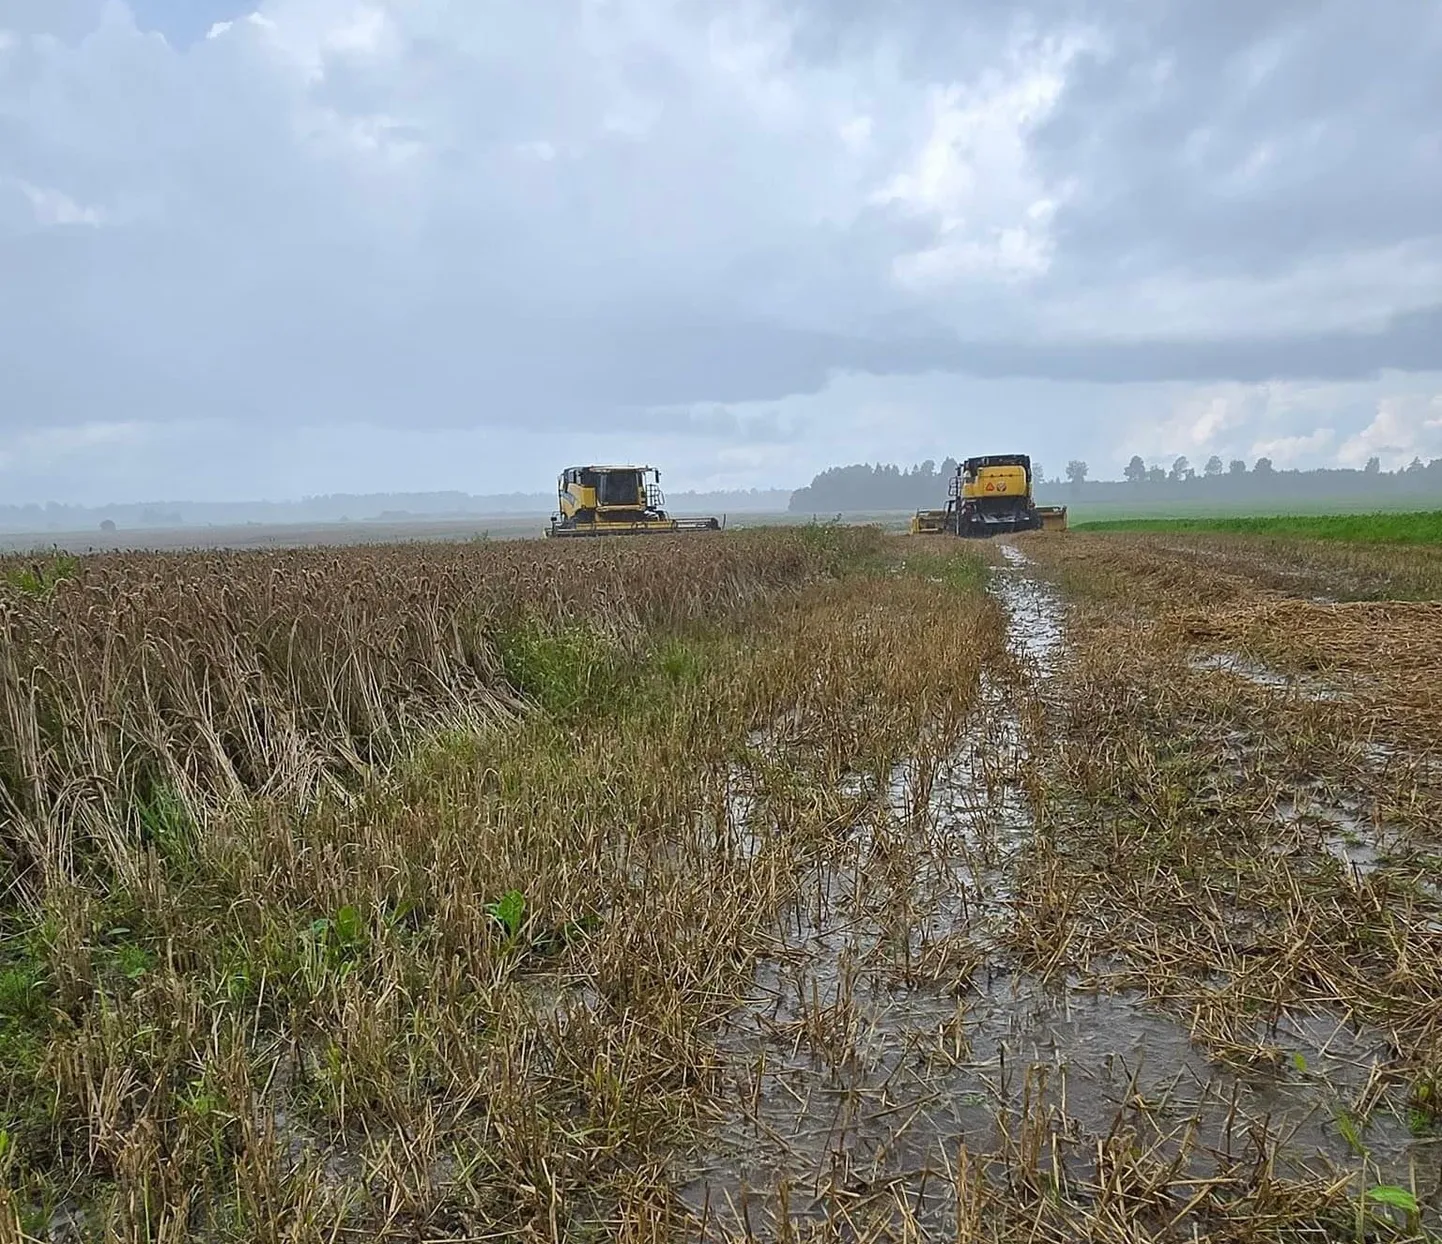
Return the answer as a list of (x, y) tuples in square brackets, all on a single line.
[(992, 496), (616, 501)]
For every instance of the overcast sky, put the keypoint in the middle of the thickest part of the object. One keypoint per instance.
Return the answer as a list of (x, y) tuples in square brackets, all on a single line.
[(321, 245)]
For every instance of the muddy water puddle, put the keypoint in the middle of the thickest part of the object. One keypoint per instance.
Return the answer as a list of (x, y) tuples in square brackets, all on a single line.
[(871, 1127), (869, 1043), (1261, 675), (884, 1031), (1341, 829), (1034, 611)]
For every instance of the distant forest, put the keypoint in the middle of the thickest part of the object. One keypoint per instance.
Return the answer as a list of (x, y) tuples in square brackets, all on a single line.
[(879, 487), (869, 487)]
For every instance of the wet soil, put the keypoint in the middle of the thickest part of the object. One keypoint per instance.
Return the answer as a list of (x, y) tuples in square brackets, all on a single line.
[(890, 1026)]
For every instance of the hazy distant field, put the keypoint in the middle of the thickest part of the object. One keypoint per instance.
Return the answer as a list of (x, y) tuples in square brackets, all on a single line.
[(1097, 511), (528, 526), (275, 535), (301, 535), (1090, 512)]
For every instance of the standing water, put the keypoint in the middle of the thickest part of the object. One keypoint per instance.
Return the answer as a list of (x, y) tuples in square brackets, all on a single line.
[(871, 1048)]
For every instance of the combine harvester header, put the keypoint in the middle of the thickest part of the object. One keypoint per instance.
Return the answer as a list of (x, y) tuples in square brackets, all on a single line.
[(616, 501), (991, 496)]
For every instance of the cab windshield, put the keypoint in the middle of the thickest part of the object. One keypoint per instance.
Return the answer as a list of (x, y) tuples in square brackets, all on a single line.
[(618, 488)]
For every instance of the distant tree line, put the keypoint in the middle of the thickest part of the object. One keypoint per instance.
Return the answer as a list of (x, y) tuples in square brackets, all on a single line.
[(1235, 481), (873, 487), (1182, 471), (879, 487)]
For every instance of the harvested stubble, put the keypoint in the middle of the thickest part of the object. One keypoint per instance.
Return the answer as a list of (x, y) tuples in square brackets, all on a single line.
[(1386, 654), (1223, 565), (875, 1045), (1291, 606), (1250, 850)]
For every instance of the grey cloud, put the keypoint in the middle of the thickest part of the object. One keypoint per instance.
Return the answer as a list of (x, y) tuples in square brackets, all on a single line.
[(274, 358), (261, 268), (1410, 342), (62, 19), (714, 423), (1342, 98)]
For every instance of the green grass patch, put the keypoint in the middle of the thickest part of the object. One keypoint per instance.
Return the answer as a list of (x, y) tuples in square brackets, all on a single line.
[(1377, 528), (849, 547), (680, 662), (561, 668)]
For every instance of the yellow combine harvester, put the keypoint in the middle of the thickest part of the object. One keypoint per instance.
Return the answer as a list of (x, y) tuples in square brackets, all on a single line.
[(616, 501), (929, 522), (991, 496)]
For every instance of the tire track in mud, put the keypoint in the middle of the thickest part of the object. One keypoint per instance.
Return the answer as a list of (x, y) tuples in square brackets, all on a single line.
[(856, 1054), (889, 1027)]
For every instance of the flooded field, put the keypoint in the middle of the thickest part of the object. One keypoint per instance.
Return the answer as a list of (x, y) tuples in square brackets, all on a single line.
[(811, 884), (894, 1045)]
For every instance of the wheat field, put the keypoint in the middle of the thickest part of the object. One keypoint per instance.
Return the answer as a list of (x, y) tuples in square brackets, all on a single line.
[(804, 883)]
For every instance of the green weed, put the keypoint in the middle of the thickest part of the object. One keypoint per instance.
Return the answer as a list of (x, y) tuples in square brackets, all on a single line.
[(845, 549), (560, 667), (133, 962), (509, 911), (680, 662), (334, 943), (1390, 1194), (22, 993), (962, 569), (166, 822), (1424, 1107), (1394, 1197), (40, 578)]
